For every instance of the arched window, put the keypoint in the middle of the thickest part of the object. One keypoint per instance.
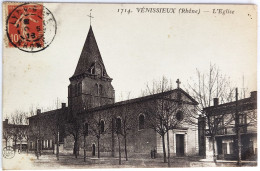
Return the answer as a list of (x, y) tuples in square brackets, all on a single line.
[(96, 89), (141, 121), (118, 125), (100, 90), (102, 126), (86, 129), (98, 70)]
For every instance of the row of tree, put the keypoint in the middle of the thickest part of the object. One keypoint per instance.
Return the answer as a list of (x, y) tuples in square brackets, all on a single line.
[(163, 114)]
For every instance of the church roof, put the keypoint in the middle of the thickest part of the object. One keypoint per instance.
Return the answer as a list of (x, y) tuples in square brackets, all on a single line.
[(90, 55), (142, 99)]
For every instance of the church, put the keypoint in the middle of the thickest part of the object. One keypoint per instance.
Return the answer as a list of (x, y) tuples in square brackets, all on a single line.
[(103, 127)]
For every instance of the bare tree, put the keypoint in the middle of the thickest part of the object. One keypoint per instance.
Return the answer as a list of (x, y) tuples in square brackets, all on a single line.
[(56, 126), (7, 132), (97, 126), (75, 128), (37, 131), (204, 89), (155, 110), (17, 119), (168, 110), (127, 116)]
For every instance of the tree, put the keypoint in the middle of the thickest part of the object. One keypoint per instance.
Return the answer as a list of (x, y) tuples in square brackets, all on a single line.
[(7, 132), (75, 128), (168, 110), (155, 109), (17, 120), (37, 129), (204, 89), (56, 126), (97, 127), (127, 116)]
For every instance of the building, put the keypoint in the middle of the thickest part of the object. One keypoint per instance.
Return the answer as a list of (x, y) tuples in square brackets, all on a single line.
[(224, 116), (95, 122)]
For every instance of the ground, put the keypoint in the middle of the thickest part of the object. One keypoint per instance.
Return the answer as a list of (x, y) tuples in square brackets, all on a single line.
[(49, 161)]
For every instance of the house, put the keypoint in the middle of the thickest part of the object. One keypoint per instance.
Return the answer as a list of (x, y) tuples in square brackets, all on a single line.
[(224, 117)]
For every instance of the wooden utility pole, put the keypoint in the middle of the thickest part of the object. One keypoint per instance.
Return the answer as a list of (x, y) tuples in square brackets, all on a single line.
[(238, 136)]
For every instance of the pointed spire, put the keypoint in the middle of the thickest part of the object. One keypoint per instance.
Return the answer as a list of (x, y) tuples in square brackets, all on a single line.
[(90, 55)]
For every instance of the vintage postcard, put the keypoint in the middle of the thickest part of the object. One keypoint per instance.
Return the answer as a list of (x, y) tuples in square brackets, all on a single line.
[(90, 85)]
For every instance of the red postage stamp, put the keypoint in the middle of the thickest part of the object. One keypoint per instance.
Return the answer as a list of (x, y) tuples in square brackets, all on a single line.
[(30, 27)]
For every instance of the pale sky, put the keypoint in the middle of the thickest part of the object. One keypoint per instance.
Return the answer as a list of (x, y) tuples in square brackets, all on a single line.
[(136, 48)]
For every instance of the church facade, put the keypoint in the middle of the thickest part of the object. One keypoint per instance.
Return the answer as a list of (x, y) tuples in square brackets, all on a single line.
[(136, 127)]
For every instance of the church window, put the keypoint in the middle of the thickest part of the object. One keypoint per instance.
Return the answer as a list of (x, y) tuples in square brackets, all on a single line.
[(118, 125), (102, 126), (96, 89), (141, 121), (79, 86), (100, 90), (92, 70), (86, 129), (179, 115), (98, 70)]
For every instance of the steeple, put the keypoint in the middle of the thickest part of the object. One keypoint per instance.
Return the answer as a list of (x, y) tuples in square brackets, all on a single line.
[(90, 57), (90, 86)]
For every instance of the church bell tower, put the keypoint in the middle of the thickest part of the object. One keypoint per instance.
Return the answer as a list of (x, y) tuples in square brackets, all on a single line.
[(90, 86)]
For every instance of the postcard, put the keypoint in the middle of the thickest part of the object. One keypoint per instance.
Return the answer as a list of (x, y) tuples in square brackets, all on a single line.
[(88, 85)]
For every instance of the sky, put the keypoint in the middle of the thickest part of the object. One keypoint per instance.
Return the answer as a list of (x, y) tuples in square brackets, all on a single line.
[(136, 48)]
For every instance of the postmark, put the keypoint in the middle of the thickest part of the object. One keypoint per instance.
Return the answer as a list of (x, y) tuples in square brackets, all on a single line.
[(8, 152), (30, 27)]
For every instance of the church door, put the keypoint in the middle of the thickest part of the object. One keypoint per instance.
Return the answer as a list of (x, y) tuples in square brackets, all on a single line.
[(180, 144), (93, 150)]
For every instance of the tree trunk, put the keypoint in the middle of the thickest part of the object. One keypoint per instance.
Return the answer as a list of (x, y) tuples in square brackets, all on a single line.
[(98, 148), (20, 146), (85, 155), (40, 150), (214, 150), (57, 148), (15, 143), (75, 151), (37, 149), (113, 138), (126, 158), (164, 151), (119, 150), (27, 149), (168, 148), (53, 145)]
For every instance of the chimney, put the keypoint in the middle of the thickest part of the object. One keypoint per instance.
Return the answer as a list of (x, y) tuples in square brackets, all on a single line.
[(38, 111), (63, 105), (215, 101), (253, 95), (6, 121)]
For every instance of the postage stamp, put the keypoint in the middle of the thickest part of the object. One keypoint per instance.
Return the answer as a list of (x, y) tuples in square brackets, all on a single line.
[(8, 152), (30, 27)]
